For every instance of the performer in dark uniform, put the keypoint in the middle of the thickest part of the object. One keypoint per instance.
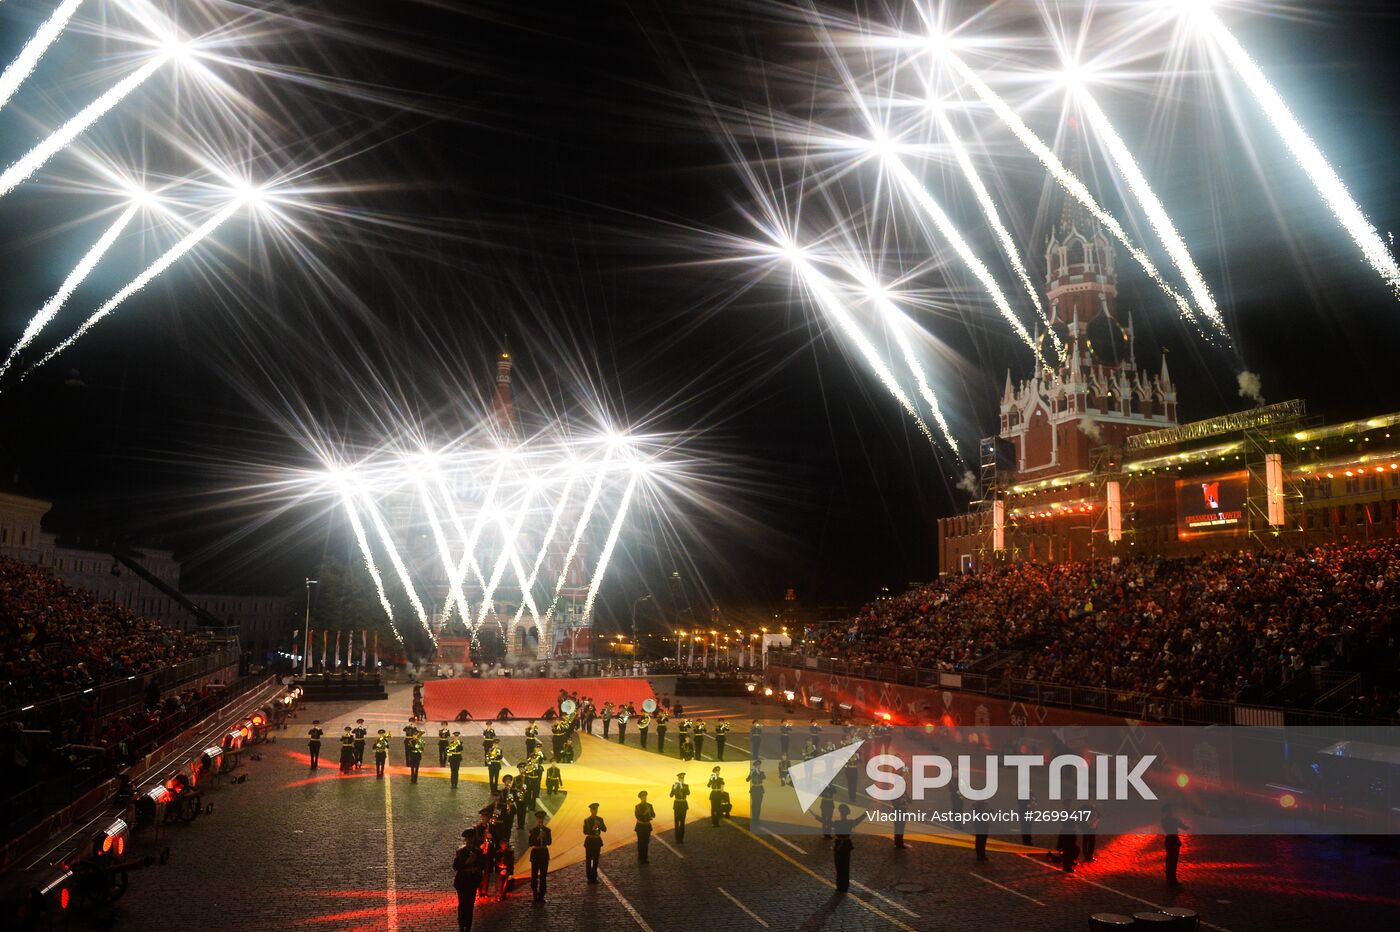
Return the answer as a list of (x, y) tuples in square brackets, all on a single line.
[(607, 719), (532, 738), (755, 778), (1171, 840), (643, 727), (852, 775), (540, 840), (488, 739), (680, 806), (360, 731), (784, 737), (553, 779), (1088, 835), (717, 796), (828, 807), (721, 737), (755, 737), (313, 744), (980, 829), (843, 847), (645, 812), (347, 750), (661, 719), (444, 739), (466, 878), (623, 716), (697, 736), (454, 755), (593, 829), (381, 753), (414, 755), (494, 760)]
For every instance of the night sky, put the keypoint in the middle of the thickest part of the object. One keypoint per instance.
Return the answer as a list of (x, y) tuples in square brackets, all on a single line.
[(539, 176)]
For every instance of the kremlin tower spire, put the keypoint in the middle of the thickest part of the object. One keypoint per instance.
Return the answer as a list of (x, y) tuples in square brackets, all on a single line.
[(1098, 396)]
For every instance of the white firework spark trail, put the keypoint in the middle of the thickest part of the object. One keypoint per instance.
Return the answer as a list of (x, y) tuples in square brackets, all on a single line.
[(358, 527), (590, 503), (1152, 206), (503, 559), (1066, 179), (34, 49), (70, 284), (387, 540), (993, 216), (895, 321), (608, 547), (188, 242), (915, 189), (469, 542), (821, 289), (544, 549), (1306, 152), (35, 158), (455, 595)]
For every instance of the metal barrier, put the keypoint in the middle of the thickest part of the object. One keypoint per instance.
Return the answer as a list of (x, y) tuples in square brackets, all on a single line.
[(28, 807), (1114, 702)]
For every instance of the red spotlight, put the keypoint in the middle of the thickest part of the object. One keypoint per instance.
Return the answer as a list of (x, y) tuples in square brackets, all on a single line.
[(886, 716), (1287, 801), (63, 898)]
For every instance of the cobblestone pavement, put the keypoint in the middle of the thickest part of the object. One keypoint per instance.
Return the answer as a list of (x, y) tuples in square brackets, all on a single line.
[(292, 849)]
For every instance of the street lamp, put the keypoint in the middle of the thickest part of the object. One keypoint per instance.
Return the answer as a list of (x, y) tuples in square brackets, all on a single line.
[(306, 635), (635, 643)]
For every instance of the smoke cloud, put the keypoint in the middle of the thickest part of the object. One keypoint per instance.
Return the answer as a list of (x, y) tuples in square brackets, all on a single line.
[(1091, 429), (969, 483), (1250, 386)]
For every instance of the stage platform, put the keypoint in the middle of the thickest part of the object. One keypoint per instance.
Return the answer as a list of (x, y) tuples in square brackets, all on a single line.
[(526, 698)]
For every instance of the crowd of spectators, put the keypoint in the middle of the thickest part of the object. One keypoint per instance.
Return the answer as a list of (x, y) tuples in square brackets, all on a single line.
[(1226, 626), (56, 640)]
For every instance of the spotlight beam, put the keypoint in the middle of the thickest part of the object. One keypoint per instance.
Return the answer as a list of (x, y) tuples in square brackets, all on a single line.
[(35, 158), (188, 242), (1066, 179), (1152, 206), (34, 49), (608, 547), (70, 284), (1306, 152)]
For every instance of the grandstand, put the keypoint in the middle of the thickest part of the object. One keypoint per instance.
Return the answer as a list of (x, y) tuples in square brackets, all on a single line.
[(1312, 628)]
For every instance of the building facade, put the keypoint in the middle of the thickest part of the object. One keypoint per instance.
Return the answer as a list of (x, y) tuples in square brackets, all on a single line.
[(262, 621)]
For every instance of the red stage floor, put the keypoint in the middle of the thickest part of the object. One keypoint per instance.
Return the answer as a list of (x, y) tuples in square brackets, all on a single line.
[(526, 698)]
